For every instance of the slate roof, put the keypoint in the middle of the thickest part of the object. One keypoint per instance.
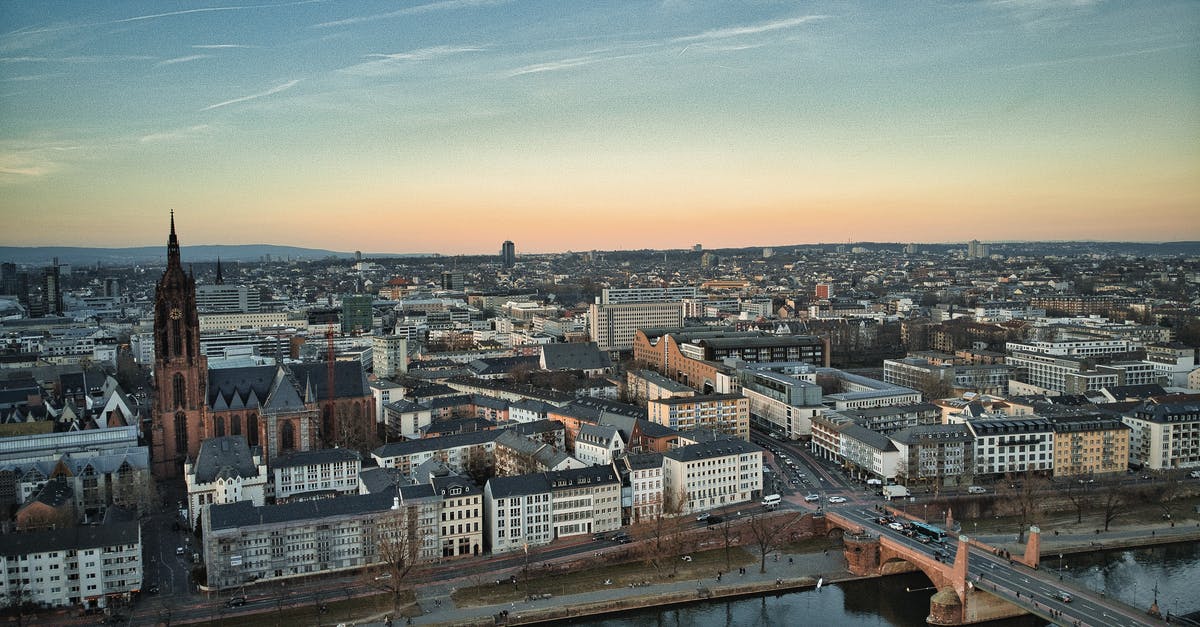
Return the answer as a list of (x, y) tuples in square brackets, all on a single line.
[(71, 538), (224, 458), (314, 458), (245, 514), (442, 485), (375, 480), (490, 366), (644, 461), (709, 450), (410, 447), (575, 477), (250, 387), (575, 356), (873, 439), (916, 435), (55, 493), (519, 485)]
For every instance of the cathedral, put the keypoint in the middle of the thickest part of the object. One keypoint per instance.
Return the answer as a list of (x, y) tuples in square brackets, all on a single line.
[(282, 408)]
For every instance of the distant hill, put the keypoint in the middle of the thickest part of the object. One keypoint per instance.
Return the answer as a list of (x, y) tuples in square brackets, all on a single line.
[(36, 255)]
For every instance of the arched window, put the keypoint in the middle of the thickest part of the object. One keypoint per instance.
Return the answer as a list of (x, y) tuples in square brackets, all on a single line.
[(220, 425), (235, 425), (181, 434), (252, 429), (180, 387), (287, 437)]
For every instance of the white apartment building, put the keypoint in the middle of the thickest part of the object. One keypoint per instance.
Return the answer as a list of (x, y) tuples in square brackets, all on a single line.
[(517, 512), (598, 445), (243, 542), (389, 355), (455, 451), (315, 474), (79, 567), (1011, 445), (707, 475), (613, 327), (617, 295), (645, 472), (1164, 436), (225, 471), (585, 500), (868, 454), (782, 403), (233, 321), (406, 419), (227, 299), (460, 516), (1073, 348)]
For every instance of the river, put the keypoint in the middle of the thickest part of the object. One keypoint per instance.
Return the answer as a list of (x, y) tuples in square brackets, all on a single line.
[(1129, 575)]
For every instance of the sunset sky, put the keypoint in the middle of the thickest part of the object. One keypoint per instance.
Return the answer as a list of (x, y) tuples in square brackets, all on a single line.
[(450, 126)]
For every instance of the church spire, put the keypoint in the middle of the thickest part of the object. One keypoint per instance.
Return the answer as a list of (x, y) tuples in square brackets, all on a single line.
[(172, 244), (220, 280)]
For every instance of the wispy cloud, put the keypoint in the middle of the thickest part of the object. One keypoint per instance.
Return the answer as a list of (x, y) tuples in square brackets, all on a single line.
[(178, 134), (155, 16), (754, 29), (220, 46), (274, 90), (24, 161), (564, 64), (194, 57), (78, 59), (386, 63), (445, 5)]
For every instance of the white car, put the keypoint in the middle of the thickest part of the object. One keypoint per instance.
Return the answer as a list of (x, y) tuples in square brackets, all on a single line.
[(837, 499), (703, 516), (896, 526), (812, 498)]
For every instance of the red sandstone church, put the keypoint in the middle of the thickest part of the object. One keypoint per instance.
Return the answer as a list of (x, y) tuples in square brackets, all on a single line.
[(279, 408)]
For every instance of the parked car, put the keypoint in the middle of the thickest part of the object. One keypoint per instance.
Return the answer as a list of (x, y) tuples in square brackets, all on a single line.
[(180, 550), (703, 516)]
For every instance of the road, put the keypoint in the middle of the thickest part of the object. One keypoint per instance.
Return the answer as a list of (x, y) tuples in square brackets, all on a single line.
[(1031, 589)]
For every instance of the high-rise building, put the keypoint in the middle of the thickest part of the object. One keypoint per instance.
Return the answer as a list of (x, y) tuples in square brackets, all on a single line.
[(357, 313), (453, 280), (180, 369), (389, 355), (220, 298), (508, 253), (824, 291), (613, 327), (52, 283)]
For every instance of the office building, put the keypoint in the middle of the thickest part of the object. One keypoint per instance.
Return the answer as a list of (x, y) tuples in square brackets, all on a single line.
[(508, 254)]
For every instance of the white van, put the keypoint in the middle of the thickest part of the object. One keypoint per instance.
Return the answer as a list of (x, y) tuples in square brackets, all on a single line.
[(771, 501), (976, 490)]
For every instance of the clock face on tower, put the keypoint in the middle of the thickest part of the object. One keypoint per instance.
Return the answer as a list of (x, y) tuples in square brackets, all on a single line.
[(175, 313)]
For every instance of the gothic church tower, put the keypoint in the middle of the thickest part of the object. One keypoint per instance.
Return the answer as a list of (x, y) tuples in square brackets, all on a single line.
[(180, 371)]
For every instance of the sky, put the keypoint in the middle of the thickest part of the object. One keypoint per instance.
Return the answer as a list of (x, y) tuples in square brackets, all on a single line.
[(450, 126)]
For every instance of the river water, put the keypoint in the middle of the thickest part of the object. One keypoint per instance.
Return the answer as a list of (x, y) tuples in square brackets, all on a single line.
[(1129, 575)]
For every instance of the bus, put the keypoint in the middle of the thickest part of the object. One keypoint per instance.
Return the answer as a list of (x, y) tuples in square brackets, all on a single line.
[(771, 501), (929, 531)]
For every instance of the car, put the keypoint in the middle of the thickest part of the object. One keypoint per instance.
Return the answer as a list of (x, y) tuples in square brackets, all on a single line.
[(236, 602), (153, 589), (702, 517), (896, 526), (180, 550), (837, 499), (811, 498), (686, 558), (624, 541), (1061, 596), (712, 520)]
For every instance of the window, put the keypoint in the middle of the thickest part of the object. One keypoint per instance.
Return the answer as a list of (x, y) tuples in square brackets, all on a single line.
[(179, 385)]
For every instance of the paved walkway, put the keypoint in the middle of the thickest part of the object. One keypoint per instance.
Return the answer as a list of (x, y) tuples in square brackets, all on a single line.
[(439, 609)]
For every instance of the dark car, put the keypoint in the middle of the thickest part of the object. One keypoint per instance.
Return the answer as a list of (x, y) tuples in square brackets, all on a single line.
[(712, 520), (153, 589), (236, 602)]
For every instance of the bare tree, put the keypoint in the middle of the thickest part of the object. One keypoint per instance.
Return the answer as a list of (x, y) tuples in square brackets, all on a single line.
[(766, 531), (1113, 504), (1021, 495), (397, 553), (726, 531), (1077, 493), (1162, 494), (660, 536)]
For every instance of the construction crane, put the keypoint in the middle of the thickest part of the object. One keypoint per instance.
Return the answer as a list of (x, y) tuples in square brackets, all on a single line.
[(330, 358)]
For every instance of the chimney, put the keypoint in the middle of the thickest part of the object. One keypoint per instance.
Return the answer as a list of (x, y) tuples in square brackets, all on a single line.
[(396, 502)]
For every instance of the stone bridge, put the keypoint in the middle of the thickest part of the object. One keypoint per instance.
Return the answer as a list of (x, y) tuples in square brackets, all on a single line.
[(957, 601)]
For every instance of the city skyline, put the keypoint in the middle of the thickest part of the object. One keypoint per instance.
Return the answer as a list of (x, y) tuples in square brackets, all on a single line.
[(452, 126)]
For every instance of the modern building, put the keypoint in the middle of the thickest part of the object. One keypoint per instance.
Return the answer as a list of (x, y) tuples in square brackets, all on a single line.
[(643, 473), (1012, 445), (713, 474), (1164, 435), (727, 413), (934, 455), (85, 567), (613, 327), (508, 254), (245, 543), (389, 355), (647, 385), (517, 512), (357, 314), (228, 299), (616, 295), (323, 473), (780, 402)]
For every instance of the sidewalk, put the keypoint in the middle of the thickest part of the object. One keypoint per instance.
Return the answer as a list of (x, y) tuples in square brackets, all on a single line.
[(804, 570)]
